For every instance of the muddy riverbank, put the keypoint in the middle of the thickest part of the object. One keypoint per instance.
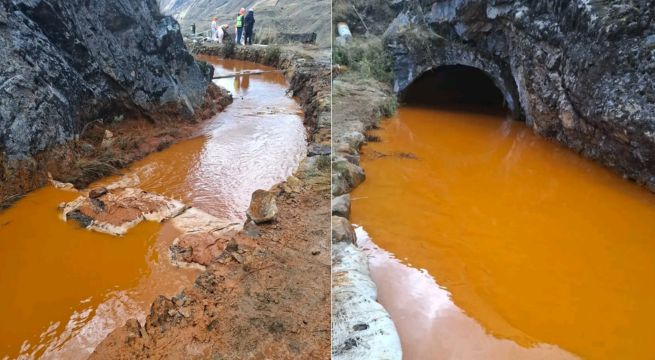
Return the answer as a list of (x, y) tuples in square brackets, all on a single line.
[(267, 294)]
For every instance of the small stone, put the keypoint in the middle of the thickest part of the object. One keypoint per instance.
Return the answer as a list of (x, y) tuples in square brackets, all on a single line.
[(97, 192), (650, 41), (251, 229), (293, 183), (238, 258), (319, 149), (185, 312), (316, 252), (262, 207)]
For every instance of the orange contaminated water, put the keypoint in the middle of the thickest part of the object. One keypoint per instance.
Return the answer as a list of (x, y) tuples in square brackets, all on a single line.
[(63, 288), (488, 242)]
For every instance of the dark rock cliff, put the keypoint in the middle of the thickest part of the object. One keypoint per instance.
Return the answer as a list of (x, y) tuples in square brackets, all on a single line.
[(580, 72), (66, 63)]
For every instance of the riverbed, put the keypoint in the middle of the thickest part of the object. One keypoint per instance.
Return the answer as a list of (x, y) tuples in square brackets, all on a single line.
[(488, 242), (65, 288)]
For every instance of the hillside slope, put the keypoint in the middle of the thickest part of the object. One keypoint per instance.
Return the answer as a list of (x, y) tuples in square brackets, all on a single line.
[(272, 16)]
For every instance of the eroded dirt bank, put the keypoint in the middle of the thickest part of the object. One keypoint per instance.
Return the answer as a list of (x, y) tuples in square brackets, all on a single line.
[(266, 294)]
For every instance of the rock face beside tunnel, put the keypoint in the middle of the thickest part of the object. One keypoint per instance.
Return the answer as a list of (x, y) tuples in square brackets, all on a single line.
[(66, 63), (579, 72)]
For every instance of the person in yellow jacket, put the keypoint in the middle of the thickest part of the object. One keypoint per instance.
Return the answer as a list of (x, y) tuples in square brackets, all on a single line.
[(239, 25)]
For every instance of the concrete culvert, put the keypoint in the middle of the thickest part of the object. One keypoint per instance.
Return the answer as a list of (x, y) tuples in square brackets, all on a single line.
[(455, 85)]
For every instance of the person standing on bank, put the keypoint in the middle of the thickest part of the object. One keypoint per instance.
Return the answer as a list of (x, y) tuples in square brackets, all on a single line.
[(239, 25), (249, 24), (214, 29)]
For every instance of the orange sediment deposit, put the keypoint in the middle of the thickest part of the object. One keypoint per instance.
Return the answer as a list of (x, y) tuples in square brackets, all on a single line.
[(70, 287), (114, 211), (513, 243)]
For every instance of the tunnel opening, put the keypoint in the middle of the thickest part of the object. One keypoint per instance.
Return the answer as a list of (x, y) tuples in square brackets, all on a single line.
[(456, 87)]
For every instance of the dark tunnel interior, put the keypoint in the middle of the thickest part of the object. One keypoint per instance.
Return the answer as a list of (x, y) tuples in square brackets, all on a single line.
[(455, 86)]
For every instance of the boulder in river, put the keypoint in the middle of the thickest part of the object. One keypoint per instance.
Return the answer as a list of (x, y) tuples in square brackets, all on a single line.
[(262, 207)]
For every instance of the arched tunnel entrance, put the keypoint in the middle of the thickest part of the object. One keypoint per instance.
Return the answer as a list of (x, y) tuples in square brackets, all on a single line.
[(457, 86)]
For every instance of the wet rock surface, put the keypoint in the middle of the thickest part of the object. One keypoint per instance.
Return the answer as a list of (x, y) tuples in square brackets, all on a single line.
[(578, 72)]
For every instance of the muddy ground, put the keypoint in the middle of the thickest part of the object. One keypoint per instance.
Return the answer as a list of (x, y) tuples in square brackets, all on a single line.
[(267, 294)]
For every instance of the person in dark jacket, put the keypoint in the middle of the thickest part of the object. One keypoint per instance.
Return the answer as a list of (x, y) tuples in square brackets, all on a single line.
[(249, 25)]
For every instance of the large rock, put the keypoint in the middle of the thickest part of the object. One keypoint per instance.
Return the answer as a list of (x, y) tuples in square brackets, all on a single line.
[(345, 176), (579, 72), (66, 63), (262, 207), (341, 206), (342, 231)]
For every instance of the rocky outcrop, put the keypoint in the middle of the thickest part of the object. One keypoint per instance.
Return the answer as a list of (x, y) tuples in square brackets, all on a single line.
[(579, 72), (67, 63)]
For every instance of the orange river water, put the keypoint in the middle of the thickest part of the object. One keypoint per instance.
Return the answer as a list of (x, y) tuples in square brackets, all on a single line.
[(488, 242), (63, 288)]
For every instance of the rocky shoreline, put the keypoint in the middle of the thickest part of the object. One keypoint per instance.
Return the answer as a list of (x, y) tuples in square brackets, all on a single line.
[(265, 289), (361, 327)]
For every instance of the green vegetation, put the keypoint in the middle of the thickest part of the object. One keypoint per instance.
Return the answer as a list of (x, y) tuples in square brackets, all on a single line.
[(367, 57), (389, 107)]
